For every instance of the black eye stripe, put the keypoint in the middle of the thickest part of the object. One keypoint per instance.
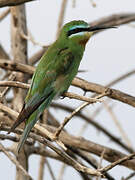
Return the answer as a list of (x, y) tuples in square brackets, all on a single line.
[(74, 31)]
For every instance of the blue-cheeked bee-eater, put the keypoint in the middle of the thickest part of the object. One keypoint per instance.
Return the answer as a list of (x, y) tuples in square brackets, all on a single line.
[(55, 72)]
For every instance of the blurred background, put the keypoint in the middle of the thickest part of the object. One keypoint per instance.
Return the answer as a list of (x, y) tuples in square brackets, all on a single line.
[(108, 55)]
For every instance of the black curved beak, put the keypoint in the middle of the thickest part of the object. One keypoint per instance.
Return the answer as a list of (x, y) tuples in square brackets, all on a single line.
[(99, 27)]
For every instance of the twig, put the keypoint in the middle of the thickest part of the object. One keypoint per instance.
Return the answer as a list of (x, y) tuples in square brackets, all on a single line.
[(91, 160), (12, 138), (49, 135), (50, 170), (67, 94), (42, 159), (8, 110), (112, 165), (115, 20), (61, 173), (114, 94), (16, 84), (66, 157), (13, 66), (73, 3), (2, 94), (78, 82), (3, 53), (93, 3), (30, 38), (100, 162), (122, 77), (96, 125), (73, 162), (82, 98), (61, 16), (41, 168), (52, 120), (15, 162), (117, 123), (130, 176), (37, 126), (4, 14), (4, 3), (8, 137), (35, 58), (110, 155), (66, 120)]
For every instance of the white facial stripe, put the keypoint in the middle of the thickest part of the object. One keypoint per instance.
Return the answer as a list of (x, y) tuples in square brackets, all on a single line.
[(77, 34)]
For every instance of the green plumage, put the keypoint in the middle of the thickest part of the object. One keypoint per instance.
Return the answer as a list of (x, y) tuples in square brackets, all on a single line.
[(54, 73)]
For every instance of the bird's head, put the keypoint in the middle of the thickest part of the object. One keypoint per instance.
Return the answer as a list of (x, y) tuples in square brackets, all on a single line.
[(79, 31)]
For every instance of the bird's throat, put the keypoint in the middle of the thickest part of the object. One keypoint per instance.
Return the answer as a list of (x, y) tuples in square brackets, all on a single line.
[(83, 42)]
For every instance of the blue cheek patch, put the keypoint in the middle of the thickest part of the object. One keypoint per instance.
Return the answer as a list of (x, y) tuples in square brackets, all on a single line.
[(78, 26)]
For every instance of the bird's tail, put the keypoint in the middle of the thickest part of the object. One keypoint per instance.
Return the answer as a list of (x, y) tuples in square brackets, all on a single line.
[(29, 125), (33, 119)]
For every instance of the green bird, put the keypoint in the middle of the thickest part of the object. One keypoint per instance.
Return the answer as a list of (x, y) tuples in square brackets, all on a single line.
[(54, 73)]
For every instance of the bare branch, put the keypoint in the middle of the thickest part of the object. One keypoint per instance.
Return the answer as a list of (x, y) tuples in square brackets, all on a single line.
[(78, 82), (110, 155), (37, 55), (3, 53), (119, 161), (16, 84), (61, 16), (19, 52), (67, 94), (4, 3), (50, 170), (117, 123), (96, 125), (4, 14), (15, 162), (13, 66), (115, 20), (122, 77), (5, 90), (114, 94), (41, 168), (71, 161), (66, 120), (130, 176)]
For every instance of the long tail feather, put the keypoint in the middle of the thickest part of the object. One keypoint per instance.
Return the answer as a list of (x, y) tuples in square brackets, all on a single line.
[(18, 121), (32, 120), (26, 112)]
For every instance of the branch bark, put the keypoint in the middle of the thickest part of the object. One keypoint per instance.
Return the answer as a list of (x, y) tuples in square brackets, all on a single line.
[(114, 94), (78, 82), (4, 3), (19, 51), (110, 154)]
